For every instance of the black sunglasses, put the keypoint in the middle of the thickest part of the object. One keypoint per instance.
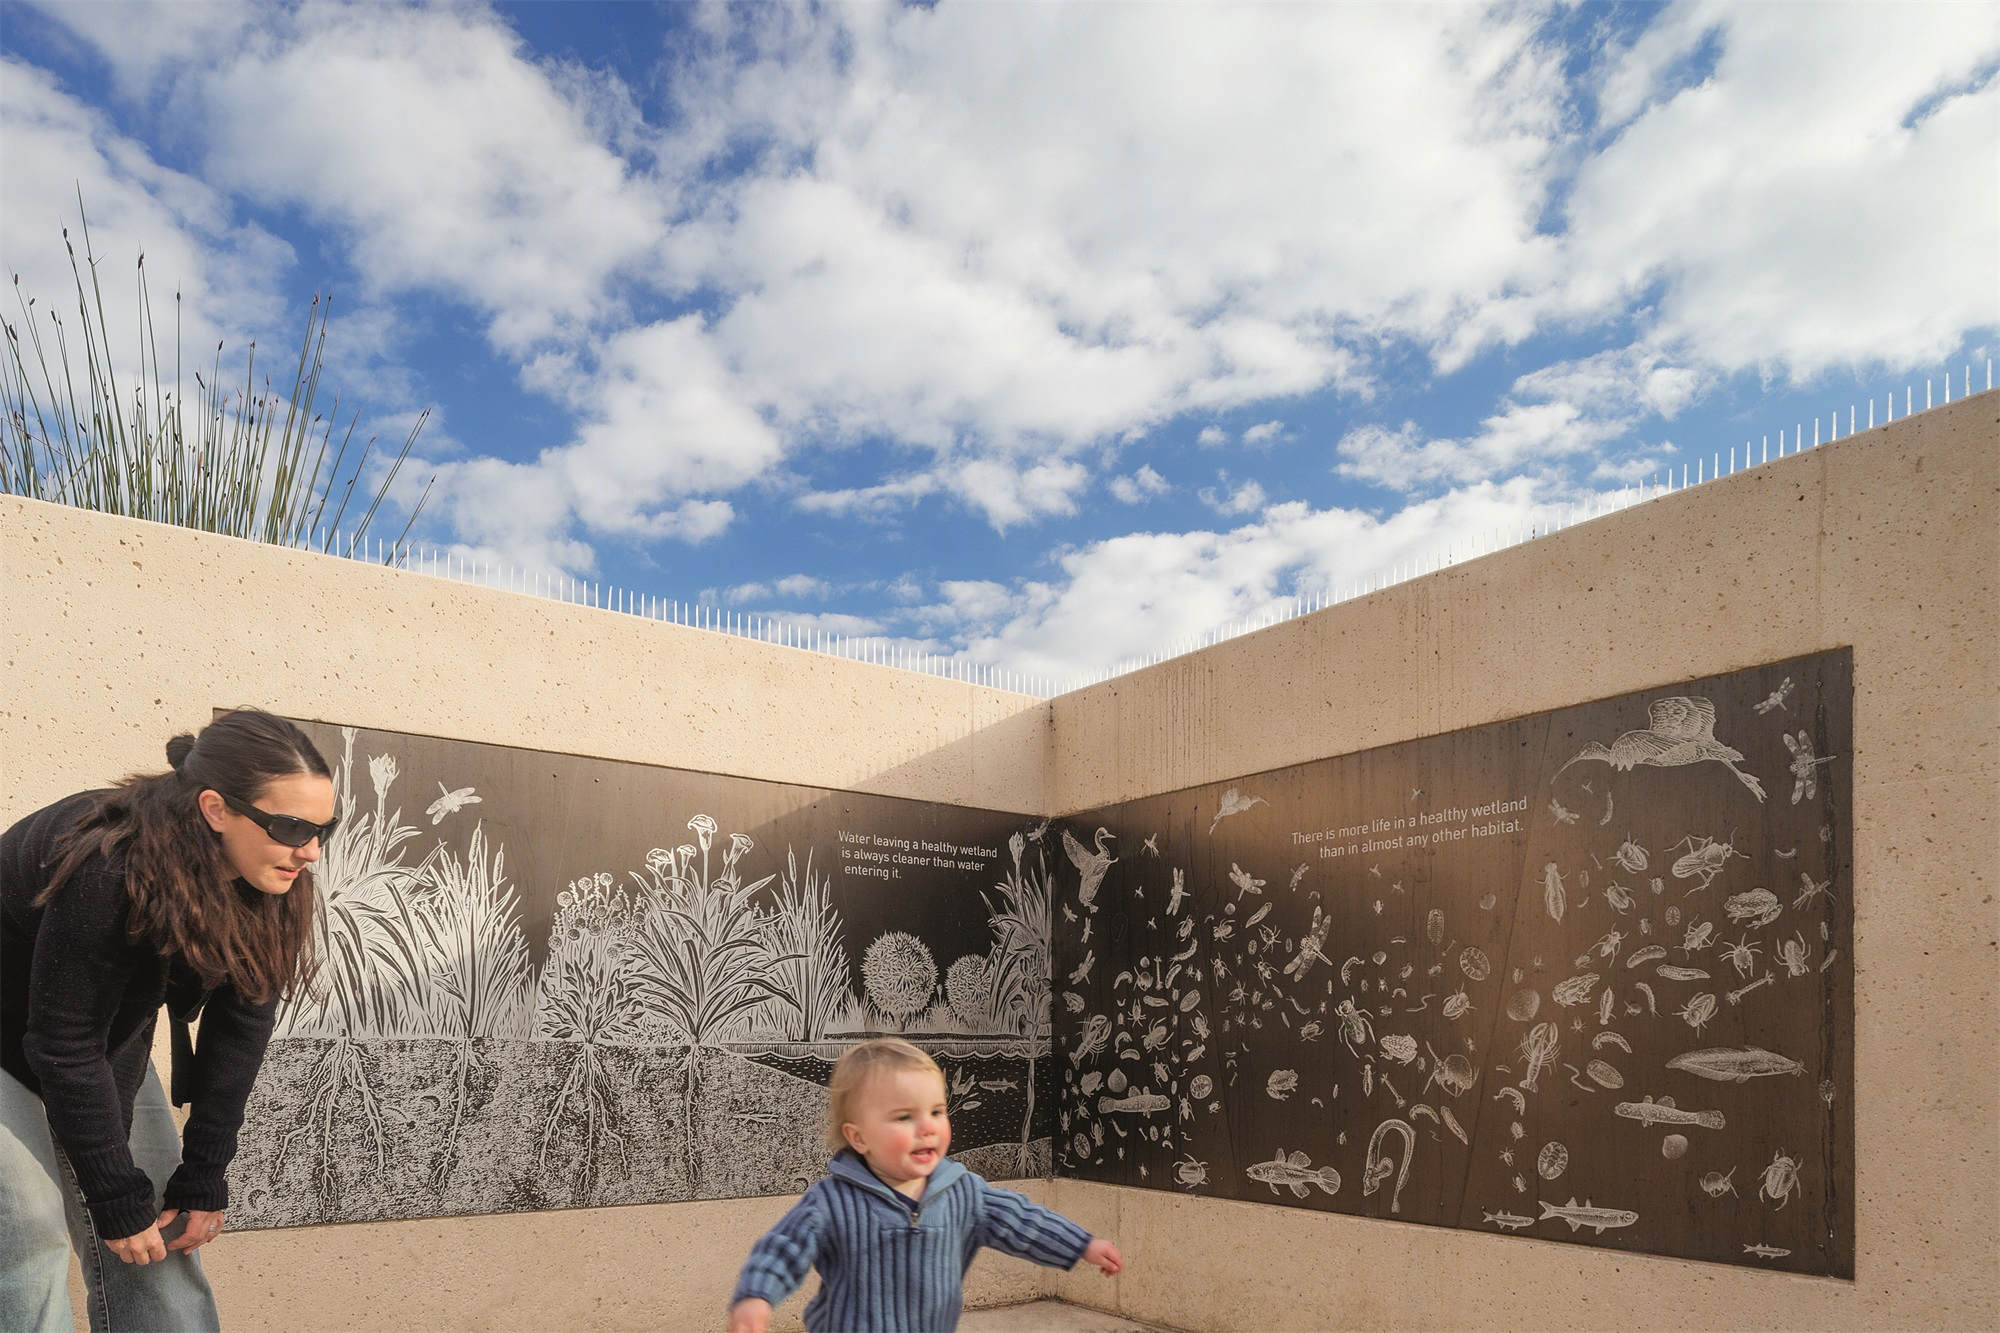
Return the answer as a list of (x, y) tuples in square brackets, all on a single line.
[(286, 830)]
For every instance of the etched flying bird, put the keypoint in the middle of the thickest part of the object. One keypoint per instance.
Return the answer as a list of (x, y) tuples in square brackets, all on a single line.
[(1234, 802), (1091, 865), (450, 803), (1681, 731)]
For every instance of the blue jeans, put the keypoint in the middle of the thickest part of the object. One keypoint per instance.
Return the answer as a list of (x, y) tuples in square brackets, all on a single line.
[(42, 1216)]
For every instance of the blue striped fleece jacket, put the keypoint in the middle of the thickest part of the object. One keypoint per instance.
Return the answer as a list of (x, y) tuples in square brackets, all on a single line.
[(892, 1264)]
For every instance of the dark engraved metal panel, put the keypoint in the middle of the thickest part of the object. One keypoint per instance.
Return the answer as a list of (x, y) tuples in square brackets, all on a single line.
[(554, 981), (1584, 976)]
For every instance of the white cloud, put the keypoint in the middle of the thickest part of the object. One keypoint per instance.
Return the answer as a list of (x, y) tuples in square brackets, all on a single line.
[(1264, 433), (1211, 436), (1141, 485), (1136, 595), (1793, 218), (1244, 499), (226, 272)]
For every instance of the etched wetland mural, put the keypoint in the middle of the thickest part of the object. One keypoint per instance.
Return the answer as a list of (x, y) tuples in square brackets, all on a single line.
[(552, 981), (1583, 976)]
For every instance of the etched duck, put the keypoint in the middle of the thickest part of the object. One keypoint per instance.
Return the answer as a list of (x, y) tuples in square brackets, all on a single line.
[(1090, 864)]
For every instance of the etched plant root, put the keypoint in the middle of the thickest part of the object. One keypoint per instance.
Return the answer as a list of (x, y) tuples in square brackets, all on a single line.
[(587, 1082), (338, 1070)]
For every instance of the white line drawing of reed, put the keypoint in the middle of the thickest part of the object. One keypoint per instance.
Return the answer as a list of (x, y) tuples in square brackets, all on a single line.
[(371, 965), (587, 997), (803, 932), (1680, 730)]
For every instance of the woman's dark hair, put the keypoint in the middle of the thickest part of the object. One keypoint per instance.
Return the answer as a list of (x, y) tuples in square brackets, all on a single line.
[(182, 886)]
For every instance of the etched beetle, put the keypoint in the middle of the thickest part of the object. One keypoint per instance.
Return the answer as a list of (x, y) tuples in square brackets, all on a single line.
[(1190, 1172), (1697, 937), (1781, 1180), (1354, 1026), (1704, 859), (1792, 953)]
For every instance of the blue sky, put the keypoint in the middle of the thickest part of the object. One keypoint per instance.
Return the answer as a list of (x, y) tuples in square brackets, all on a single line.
[(1039, 335)]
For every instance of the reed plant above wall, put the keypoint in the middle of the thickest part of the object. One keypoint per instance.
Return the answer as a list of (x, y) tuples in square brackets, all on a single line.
[(84, 426)]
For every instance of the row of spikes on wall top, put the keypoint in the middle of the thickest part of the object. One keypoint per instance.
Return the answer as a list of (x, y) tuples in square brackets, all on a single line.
[(883, 651)]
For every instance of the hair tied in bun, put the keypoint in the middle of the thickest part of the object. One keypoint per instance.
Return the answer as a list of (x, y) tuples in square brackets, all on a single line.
[(178, 749)]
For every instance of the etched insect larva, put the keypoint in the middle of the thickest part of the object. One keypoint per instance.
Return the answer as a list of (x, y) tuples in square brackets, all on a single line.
[(1605, 1006), (1524, 1004), (1652, 1006), (1669, 972), (1736, 996), (1434, 926), (1603, 1039), (1603, 1075), (1650, 953), (1553, 1160), (1451, 1123), (1552, 891)]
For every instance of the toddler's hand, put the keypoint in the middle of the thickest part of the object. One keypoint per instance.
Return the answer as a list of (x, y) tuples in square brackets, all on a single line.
[(750, 1315), (1104, 1254)]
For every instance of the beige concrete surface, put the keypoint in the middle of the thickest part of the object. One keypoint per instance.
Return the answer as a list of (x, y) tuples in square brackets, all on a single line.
[(1050, 1317), (114, 634), (1888, 542)]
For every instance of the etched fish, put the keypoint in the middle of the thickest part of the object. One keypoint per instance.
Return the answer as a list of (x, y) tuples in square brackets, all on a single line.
[(1599, 1220), (998, 1084), (1294, 1172), (1726, 1065), (1509, 1221), (1766, 1251), (1664, 1112), (1143, 1102)]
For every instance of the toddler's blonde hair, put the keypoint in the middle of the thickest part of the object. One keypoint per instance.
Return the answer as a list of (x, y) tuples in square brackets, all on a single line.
[(861, 1063)]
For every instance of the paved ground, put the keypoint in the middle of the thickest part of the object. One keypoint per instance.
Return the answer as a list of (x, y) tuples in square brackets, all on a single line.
[(1048, 1317)]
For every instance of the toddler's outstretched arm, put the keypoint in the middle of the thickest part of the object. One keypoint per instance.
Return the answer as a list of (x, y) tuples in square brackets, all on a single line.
[(1100, 1252), (750, 1315)]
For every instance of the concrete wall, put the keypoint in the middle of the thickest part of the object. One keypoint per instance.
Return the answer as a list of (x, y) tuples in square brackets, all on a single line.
[(1888, 542), (116, 634)]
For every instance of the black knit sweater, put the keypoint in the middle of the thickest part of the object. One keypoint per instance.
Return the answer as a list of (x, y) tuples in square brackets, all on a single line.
[(78, 1001)]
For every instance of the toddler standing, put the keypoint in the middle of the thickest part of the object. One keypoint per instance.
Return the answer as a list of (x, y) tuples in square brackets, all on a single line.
[(895, 1223)]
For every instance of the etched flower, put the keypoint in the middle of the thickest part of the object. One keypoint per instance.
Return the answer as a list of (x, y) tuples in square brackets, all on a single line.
[(382, 772), (704, 829)]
